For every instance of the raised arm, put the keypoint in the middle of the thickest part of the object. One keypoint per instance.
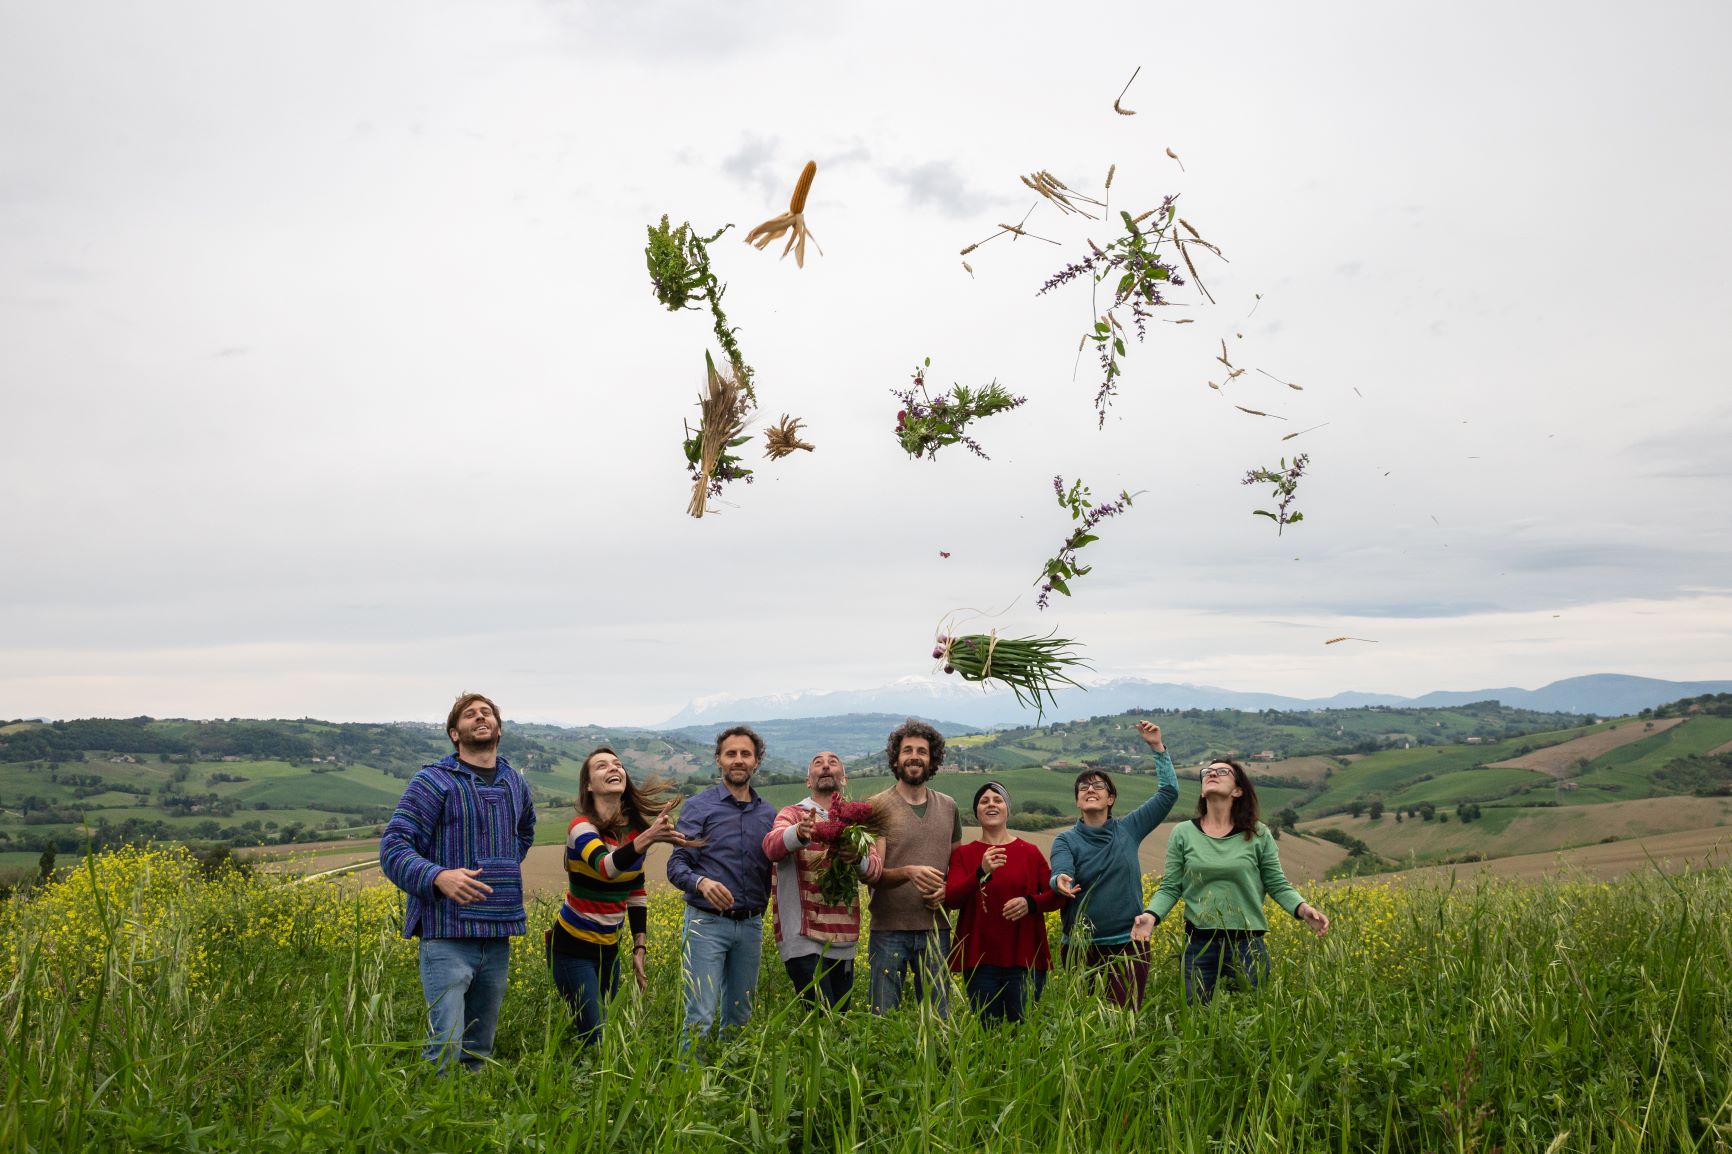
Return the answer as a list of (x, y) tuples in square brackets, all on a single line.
[(584, 846), (1141, 821)]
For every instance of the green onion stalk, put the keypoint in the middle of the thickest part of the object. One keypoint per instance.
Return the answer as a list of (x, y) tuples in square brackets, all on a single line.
[(1032, 666)]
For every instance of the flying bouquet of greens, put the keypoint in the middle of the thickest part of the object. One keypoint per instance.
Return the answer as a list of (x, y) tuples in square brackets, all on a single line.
[(853, 826), (1032, 666), (721, 429), (925, 424)]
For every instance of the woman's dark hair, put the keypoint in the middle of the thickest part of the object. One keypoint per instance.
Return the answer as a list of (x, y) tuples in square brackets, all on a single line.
[(912, 728), (638, 806), (1245, 812)]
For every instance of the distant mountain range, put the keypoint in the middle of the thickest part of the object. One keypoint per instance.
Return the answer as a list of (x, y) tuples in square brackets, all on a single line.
[(1600, 694)]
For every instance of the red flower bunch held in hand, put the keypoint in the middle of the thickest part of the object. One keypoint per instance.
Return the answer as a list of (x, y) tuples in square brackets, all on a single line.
[(850, 831)]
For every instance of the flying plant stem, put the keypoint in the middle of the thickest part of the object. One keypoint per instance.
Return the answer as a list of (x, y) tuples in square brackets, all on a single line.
[(1140, 273), (1032, 666), (680, 274), (1058, 571), (1285, 478), (925, 424), (723, 409)]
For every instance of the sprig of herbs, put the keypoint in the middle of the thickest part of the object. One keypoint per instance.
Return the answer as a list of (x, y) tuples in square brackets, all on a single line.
[(1285, 478), (1140, 274), (925, 424), (1060, 570), (680, 274)]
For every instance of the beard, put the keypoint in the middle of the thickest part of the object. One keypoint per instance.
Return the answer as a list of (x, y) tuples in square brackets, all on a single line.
[(913, 774)]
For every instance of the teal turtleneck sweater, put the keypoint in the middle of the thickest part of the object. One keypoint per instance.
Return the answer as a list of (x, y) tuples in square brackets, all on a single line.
[(1102, 860)]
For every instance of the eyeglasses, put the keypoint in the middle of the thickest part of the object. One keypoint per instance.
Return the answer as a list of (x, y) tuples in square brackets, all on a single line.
[(1218, 771), (1094, 787)]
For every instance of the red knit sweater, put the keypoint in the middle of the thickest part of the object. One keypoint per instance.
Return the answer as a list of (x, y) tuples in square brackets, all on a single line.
[(983, 934)]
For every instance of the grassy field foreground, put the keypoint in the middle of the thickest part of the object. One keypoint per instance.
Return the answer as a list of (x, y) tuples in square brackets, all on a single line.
[(145, 1007)]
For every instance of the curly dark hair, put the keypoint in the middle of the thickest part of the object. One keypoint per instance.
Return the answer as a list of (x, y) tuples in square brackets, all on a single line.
[(741, 731), (912, 728), (1246, 813)]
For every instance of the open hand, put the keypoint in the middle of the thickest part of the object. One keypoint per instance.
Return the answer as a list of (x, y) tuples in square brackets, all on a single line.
[(1064, 884), (1314, 917), (660, 831), (1143, 927), (1151, 733), (803, 829)]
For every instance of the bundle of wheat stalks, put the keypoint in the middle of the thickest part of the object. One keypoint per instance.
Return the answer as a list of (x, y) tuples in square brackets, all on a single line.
[(722, 410)]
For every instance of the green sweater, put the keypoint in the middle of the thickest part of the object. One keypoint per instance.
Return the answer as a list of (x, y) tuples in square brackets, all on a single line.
[(1223, 879)]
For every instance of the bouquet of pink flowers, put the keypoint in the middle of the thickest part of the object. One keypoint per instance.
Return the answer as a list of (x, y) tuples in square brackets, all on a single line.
[(849, 832)]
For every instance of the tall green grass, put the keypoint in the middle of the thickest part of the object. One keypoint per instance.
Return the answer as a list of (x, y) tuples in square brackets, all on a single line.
[(163, 1012)]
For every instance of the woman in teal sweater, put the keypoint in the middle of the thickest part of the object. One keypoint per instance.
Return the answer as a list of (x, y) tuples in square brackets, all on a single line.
[(1223, 863), (1095, 866)]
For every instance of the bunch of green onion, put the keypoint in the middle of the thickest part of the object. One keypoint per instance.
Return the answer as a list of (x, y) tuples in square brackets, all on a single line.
[(1031, 666)]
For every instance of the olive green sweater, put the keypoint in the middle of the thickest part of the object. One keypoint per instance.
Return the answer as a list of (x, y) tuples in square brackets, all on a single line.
[(1223, 879)]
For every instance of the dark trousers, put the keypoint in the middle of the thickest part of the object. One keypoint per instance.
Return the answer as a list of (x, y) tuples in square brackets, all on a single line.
[(586, 984), (1122, 969), (817, 978), (1239, 959), (998, 993)]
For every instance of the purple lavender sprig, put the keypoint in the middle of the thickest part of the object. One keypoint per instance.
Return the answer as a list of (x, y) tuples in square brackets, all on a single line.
[(1058, 571), (1142, 276), (1285, 478)]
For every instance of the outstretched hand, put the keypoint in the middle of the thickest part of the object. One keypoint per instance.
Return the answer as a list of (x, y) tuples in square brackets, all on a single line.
[(1066, 886), (661, 831), (1313, 917)]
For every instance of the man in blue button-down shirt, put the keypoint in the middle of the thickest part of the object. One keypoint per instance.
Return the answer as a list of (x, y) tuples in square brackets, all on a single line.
[(726, 879)]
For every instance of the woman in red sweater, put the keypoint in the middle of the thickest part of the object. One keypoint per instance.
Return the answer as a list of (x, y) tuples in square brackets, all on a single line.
[(1000, 887)]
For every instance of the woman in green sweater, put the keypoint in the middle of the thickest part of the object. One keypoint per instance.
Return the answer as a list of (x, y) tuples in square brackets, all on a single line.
[(1223, 862)]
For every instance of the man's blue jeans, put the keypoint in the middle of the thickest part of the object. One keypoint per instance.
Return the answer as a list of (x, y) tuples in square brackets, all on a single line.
[(892, 954), (464, 981), (719, 962)]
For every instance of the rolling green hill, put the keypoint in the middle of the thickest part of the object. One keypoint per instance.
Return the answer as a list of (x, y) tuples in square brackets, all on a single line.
[(257, 782)]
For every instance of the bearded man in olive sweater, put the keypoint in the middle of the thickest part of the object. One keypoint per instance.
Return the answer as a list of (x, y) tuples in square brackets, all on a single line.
[(910, 930)]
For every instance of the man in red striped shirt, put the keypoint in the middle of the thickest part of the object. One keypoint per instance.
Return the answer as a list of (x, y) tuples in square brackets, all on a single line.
[(817, 941)]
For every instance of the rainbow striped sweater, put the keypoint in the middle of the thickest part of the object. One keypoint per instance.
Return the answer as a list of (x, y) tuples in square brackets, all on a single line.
[(604, 880)]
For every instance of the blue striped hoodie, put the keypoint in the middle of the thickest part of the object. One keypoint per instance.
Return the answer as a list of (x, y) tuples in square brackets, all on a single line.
[(449, 818)]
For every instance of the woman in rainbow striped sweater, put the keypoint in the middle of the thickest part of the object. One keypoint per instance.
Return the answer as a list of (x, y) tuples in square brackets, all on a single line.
[(615, 826)]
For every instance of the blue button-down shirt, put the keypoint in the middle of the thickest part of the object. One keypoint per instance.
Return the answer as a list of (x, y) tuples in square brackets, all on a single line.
[(733, 849)]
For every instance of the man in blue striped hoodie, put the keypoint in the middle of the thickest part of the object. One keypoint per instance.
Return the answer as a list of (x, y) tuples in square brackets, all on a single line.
[(455, 846)]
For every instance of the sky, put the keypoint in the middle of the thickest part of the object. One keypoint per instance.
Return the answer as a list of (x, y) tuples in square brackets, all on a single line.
[(334, 385)]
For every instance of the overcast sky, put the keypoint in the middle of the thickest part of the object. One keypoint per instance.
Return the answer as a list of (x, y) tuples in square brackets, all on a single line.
[(334, 385)]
